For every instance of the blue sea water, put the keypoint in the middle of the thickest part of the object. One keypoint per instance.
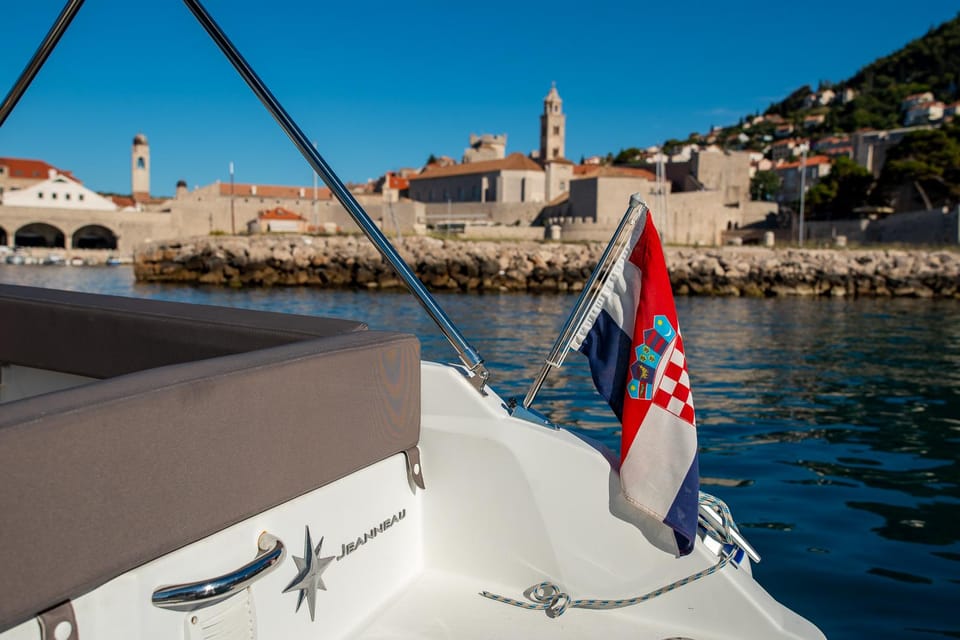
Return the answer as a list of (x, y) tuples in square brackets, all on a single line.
[(831, 427)]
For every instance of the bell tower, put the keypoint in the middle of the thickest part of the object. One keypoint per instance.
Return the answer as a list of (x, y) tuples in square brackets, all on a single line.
[(552, 127), (140, 168)]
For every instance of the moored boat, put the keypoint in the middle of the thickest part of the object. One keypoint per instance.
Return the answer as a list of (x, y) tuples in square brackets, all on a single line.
[(161, 461)]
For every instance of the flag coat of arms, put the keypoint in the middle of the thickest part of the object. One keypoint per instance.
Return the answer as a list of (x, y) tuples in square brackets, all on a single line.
[(632, 341)]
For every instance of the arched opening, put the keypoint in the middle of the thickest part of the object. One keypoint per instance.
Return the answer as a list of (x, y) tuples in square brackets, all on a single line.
[(140, 163), (3, 237), (39, 234), (94, 236)]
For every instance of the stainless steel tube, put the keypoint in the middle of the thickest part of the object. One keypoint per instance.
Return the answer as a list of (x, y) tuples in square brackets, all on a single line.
[(587, 296), (467, 354), (39, 57)]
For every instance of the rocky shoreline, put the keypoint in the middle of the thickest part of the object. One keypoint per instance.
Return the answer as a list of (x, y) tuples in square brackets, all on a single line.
[(453, 265)]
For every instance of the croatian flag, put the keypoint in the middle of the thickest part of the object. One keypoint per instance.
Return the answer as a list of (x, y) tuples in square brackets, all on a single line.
[(632, 340)]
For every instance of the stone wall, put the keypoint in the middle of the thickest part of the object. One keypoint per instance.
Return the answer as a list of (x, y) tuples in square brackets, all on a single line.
[(130, 227), (498, 212), (352, 261), (204, 210), (932, 226)]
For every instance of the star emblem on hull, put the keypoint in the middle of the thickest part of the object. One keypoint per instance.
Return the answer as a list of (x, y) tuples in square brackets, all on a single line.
[(310, 568)]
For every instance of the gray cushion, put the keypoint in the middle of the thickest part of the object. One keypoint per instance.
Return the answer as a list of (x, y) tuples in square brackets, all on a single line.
[(101, 478)]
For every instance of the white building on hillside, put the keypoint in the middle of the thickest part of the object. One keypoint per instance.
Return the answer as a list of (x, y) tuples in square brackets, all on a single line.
[(58, 192)]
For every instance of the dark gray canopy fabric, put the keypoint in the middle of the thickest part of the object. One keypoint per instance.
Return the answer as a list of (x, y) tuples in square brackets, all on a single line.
[(103, 336)]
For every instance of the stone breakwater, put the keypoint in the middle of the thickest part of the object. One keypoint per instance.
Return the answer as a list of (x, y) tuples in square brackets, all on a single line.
[(451, 265)]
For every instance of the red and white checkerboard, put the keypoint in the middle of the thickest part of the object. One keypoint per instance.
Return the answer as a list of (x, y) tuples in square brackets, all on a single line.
[(674, 391)]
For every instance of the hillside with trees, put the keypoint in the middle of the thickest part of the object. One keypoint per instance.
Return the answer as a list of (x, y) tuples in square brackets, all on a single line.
[(922, 171), (929, 63)]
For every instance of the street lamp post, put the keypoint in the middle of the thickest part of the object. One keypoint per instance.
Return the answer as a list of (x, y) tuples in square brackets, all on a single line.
[(803, 187), (233, 223)]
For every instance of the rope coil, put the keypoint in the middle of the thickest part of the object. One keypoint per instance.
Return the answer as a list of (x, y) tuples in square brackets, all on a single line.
[(550, 598)]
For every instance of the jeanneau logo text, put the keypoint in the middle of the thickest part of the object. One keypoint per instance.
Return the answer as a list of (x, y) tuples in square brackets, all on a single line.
[(373, 532)]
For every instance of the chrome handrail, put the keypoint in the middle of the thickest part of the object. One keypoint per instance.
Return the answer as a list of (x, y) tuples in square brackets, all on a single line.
[(468, 355), (270, 552)]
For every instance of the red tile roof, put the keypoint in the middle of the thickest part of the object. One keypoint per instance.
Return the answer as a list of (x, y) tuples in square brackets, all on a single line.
[(593, 170), (26, 168), (274, 191), (513, 162), (397, 182), (811, 161), (279, 213), (839, 151)]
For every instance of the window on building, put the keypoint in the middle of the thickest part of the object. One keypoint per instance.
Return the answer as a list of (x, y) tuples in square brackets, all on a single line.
[(563, 185), (40, 195), (2, 170), (53, 196), (556, 130), (556, 152), (140, 163), (80, 196), (66, 196)]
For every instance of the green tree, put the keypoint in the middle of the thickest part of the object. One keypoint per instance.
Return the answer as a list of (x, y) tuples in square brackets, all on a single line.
[(792, 103), (926, 160), (764, 185), (672, 146), (633, 155), (845, 188)]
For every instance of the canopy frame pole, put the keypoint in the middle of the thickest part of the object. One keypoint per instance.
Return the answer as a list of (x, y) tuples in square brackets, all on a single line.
[(468, 355), (40, 56)]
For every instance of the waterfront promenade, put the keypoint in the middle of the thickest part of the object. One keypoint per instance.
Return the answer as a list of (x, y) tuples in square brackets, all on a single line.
[(452, 265)]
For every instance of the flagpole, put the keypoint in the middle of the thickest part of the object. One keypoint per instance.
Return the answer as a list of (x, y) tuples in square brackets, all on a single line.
[(587, 297)]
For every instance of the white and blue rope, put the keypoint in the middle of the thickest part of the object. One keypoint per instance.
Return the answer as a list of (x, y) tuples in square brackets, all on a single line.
[(549, 597)]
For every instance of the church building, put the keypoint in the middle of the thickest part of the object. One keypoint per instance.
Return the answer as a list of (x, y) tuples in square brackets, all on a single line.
[(512, 178)]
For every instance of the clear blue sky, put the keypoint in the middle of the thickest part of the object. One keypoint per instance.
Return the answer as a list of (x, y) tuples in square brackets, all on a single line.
[(382, 85)]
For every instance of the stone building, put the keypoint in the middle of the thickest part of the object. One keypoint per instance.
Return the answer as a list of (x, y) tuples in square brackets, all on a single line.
[(870, 147), (486, 147), (59, 192), (700, 199), (278, 220), (515, 178), (488, 176), (558, 171), (140, 169), (792, 176), (229, 208), (18, 173), (725, 173)]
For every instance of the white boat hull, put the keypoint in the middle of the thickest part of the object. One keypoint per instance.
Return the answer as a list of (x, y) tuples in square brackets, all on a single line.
[(507, 505)]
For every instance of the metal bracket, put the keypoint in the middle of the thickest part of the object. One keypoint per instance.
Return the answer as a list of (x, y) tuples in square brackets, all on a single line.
[(517, 410), (414, 468), (479, 377), (59, 622)]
